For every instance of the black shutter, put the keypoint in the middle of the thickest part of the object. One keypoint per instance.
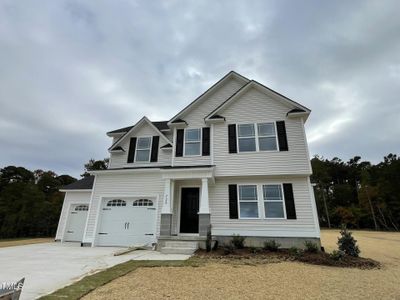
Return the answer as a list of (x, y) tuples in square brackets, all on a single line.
[(282, 138), (289, 201), (132, 148), (232, 138), (154, 149), (179, 143), (206, 141), (233, 203)]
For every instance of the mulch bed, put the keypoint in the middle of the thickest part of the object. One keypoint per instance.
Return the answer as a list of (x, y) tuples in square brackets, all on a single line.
[(248, 256)]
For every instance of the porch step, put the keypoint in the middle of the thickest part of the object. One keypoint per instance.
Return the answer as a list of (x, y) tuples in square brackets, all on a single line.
[(180, 247)]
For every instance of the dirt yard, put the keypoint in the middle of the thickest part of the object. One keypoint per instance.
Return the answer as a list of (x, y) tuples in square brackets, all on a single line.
[(27, 241), (285, 280)]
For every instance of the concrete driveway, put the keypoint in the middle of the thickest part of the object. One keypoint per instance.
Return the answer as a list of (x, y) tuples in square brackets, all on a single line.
[(50, 266)]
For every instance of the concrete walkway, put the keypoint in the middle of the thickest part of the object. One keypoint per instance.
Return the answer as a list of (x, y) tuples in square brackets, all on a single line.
[(50, 266)]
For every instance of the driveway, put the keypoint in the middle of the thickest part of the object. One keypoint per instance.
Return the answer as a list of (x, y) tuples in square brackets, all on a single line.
[(50, 266)]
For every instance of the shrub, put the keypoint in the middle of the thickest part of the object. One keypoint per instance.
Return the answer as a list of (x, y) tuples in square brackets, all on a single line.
[(337, 254), (254, 250), (208, 240), (311, 247), (294, 251), (271, 245), (347, 243), (238, 241), (228, 249)]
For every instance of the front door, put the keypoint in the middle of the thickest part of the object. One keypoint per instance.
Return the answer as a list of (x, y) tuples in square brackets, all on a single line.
[(190, 210)]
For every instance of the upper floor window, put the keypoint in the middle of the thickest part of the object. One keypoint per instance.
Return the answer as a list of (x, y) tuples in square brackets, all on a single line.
[(192, 142), (143, 149), (257, 137), (273, 201), (248, 201)]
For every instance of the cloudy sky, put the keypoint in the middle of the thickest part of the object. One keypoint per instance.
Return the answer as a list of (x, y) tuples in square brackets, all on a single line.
[(72, 70)]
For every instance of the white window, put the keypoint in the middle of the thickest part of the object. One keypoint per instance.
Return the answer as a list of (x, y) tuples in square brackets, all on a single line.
[(143, 202), (116, 202), (266, 136), (143, 146), (192, 142), (257, 137), (273, 201), (246, 138), (248, 201)]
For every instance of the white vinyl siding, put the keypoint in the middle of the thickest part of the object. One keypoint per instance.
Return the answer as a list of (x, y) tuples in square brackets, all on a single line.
[(70, 199), (255, 107), (119, 160), (195, 117), (303, 226)]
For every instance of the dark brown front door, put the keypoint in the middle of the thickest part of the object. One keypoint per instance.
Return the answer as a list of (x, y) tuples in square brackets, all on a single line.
[(189, 210)]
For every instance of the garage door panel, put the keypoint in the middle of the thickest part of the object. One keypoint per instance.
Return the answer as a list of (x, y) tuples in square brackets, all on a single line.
[(130, 224), (76, 223)]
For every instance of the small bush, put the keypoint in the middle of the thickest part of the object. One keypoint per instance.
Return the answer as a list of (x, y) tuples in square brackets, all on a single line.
[(311, 247), (337, 255), (238, 241), (228, 249), (294, 251), (254, 250), (209, 239), (347, 243), (271, 245)]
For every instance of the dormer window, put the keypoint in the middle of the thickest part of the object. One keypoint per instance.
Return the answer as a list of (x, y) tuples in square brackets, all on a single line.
[(143, 149), (192, 142)]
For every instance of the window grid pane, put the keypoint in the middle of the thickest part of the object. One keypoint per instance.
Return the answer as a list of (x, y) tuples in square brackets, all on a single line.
[(192, 135), (142, 155), (143, 143), (246, 130), (266, 129), (248, 192), (273, 201)]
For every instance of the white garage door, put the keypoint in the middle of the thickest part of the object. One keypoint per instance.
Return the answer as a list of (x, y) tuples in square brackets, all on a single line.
[(127, 222), (76, 223)]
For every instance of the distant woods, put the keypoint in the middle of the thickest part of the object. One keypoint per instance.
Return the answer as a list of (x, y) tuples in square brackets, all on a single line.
[(356, 193), (30, 201)]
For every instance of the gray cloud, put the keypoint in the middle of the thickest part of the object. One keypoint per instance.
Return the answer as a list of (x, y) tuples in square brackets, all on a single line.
[(72, 70)]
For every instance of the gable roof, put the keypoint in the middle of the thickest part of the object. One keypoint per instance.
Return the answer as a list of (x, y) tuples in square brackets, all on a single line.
[(85, 183), (263, 88), (141, 121), (160, 125), (231, 74)]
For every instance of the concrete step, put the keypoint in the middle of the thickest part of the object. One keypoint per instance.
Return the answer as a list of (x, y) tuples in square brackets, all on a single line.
[(177, 250), (182, 244)]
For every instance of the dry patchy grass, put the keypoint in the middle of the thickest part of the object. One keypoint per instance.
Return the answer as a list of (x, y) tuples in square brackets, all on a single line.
[(24, 241), (282, 280)]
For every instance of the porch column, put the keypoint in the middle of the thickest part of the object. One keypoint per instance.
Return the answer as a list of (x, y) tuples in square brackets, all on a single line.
[(166, 212), (204, 211)]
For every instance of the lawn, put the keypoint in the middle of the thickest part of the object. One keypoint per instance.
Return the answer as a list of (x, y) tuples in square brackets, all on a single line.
[(275, 280), (23, 241)]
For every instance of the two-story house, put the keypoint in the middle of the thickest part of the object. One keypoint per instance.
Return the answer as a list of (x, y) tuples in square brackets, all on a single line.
[(234, 161)]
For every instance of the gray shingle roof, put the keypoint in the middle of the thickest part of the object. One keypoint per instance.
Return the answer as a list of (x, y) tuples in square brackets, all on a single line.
[(161, 125), (83, 184)]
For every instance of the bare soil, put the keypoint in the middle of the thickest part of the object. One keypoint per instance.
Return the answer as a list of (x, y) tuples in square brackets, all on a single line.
[(24, 241), (274, 279)]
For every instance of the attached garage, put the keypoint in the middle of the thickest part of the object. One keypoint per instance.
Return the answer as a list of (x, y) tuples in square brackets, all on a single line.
[(127, 222), (76, 222)]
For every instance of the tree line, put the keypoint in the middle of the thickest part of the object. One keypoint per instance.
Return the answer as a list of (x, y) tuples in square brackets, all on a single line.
[(356, 193)]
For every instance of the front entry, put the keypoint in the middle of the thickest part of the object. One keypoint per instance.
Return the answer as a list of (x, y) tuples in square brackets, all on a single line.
[(189, 210)]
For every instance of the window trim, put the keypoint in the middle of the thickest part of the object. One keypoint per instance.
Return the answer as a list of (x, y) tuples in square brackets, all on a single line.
[(251, 201), (283, 201), (256, 136), (192, 142), (136, 149)]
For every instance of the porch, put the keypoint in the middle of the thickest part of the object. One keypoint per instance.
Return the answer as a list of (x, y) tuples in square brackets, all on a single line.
[(185, 213)]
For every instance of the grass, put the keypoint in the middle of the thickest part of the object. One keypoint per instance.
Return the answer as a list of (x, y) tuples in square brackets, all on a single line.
[(91, 282), (24, 241)]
